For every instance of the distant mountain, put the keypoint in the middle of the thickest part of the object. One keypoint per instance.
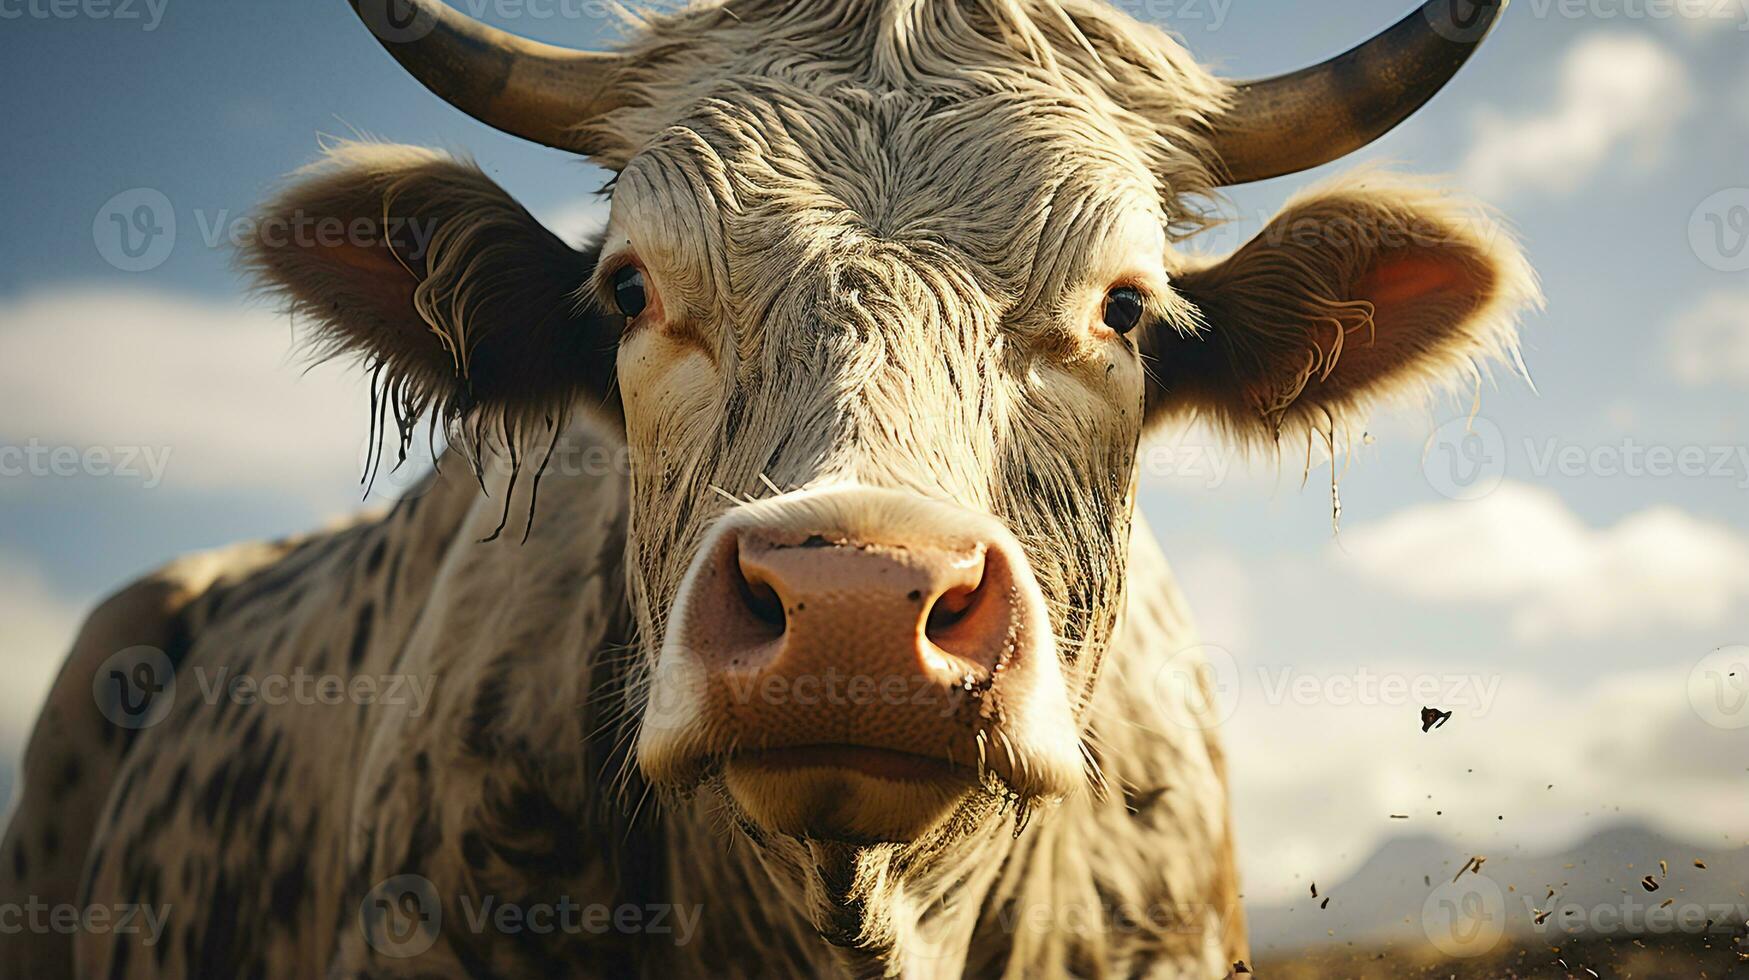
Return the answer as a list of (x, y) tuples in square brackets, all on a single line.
[(1405, 894)]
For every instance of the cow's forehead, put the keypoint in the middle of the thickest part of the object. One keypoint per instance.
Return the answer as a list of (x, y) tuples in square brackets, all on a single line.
[(982, 182)]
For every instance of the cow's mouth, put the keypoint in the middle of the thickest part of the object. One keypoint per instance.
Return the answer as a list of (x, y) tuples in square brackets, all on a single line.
[(874, 762), (849, 793)]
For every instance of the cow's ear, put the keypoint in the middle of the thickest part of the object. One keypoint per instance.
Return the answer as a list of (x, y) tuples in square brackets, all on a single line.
[(1367, 289), (454, 297)]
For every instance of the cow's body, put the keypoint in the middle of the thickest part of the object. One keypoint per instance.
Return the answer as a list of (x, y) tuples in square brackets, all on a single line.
[(262, 828)]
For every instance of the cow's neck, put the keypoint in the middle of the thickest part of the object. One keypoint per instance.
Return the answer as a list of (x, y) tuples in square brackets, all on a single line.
[(810, 905)]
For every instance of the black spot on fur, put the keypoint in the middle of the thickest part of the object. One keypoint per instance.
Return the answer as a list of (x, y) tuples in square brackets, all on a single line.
[(66, 780), (479, 737), (221, 950), (287, 892), (374, 559), (426, 838), (361, 635), (530, 831), (118, 958), (474, 850), (213, 794), (390, 579), (178, 641)]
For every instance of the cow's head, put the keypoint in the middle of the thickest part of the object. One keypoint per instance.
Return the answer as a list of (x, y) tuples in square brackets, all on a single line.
[(887, 300)]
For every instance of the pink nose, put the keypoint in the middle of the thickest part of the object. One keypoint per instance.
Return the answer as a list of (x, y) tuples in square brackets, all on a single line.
[(883, 610), (887, 632)]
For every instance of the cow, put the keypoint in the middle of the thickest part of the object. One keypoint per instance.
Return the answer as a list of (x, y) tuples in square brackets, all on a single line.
[(852, 658)]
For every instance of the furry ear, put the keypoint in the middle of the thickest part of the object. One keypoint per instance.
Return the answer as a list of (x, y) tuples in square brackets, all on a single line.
[(458, 302), (1362, 290)]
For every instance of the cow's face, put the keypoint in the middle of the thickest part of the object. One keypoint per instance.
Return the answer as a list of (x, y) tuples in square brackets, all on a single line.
[(882, 386), (886, 304)]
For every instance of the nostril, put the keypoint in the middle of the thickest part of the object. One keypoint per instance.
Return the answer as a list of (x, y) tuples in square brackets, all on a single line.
[(759, 598), (951, 609), (955, 609)]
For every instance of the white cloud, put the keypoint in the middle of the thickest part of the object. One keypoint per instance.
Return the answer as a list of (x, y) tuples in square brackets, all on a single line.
[(1219, 593), (1521, 548), (1710, 341), (39, 627), (1316, 782), (576, 221), (1742, 99), (219, 387), (1619, 97)]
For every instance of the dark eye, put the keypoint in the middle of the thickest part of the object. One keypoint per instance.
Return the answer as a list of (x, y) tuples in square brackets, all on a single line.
[(628, 291), (1123, 308)]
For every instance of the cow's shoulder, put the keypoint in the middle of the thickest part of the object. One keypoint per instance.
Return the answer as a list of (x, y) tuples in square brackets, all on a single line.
[(230, 805), (80, 742)]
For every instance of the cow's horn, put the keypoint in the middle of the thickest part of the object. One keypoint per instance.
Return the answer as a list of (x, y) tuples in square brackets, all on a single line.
[(1294, 122), (540, 92)]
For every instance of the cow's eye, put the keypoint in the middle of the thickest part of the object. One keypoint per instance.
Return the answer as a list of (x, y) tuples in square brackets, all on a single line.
[(628, 291), (1123, 308)]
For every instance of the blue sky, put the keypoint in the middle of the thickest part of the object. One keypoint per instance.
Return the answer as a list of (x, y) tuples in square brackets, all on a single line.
[(1578, 580)]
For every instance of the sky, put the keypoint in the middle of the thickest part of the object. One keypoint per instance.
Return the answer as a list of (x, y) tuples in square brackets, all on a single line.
[(1568, 571)]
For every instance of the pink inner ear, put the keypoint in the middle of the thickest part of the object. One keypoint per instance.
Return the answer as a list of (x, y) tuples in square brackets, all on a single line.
[(1419, 297), (386, 283), (1406, 278)]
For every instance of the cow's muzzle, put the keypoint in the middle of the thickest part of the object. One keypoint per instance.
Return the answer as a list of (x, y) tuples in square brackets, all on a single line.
[(855, 663)]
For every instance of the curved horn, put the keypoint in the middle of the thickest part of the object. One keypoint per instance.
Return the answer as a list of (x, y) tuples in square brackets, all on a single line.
[(1294, 122), (540, 92)]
